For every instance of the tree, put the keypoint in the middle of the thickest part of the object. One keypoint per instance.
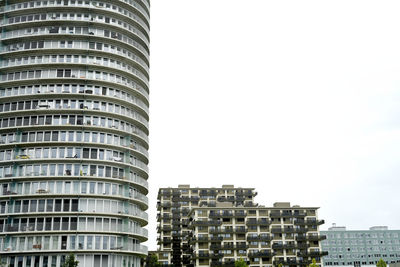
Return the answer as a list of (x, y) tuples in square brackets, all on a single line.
[(3, 262), (152, 261), (381, 263), (70, 261), (240, 263), (313, 264)]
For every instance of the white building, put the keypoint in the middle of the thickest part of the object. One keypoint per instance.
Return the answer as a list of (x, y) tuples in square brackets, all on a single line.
[(74, 131)]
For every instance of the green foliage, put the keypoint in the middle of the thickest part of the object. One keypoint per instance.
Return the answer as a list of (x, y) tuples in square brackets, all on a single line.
[(381, 263), (240, 263), (313, 264), (3, 262), (70, 261), (152, 261)]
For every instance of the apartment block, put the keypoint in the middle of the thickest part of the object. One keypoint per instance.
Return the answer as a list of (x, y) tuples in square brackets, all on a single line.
[(74, 126), (174, 206), (361, 247), (226, 225)]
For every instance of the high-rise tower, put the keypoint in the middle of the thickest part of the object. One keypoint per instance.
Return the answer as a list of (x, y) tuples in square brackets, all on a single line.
[(74, 131)]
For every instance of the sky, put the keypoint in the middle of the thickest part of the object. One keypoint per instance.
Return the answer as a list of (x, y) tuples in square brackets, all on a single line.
[(298, 99)]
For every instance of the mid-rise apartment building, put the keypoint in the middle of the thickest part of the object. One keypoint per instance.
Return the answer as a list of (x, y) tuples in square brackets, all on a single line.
[(361, 247), (263, 236), (219, 232), (174, 206), (74, 99)]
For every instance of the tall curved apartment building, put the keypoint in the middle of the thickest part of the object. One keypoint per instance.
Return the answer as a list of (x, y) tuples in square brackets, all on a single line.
[(74, 98)]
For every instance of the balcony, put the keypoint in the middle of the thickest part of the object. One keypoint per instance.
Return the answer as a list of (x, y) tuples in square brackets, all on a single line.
[(207, 223), (221, 230), (302, 245), (299, 214), (228, 246), (301, 230), (287, 214), (201, 255), (216, 255), (215, 246), (163, 216), (261, 253), (241, 246), (207, 239), (176, 193), (312, 254), (208, 193), (275, 214), (279, 246), (301, 238), (314, 222), (240, 213), (165, 193), (250, 204), (299, 222), (176, 228), (176, 205), (225, 214), (289, 230), (240, 229), (245, 193), (165, 228), (164, 240), (261, 237), (276, 230), (165, 204), (312, 237)]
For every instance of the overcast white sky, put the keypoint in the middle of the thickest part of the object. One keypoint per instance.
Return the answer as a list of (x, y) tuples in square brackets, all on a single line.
[(299, 99)]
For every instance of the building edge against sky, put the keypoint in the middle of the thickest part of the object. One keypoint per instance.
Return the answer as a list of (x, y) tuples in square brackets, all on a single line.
[(74, 99)]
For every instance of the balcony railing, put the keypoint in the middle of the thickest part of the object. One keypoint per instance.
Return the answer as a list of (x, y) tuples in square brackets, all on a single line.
[(312, 237), (261, 253)]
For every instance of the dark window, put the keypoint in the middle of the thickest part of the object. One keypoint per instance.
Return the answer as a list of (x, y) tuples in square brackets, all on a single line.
[(54, 136), (93, 154), (47, 136), (65, 224), (19, 121), (25, 205), (48, 224), (74, 205), (48, 120), (56, 224), (41, 120), (60, 73), (73, 224), (58, 205), (72, 119), (85, 154), (66, 205)]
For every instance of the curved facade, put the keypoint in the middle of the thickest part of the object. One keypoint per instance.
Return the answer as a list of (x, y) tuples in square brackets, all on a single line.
[(74, 98)]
